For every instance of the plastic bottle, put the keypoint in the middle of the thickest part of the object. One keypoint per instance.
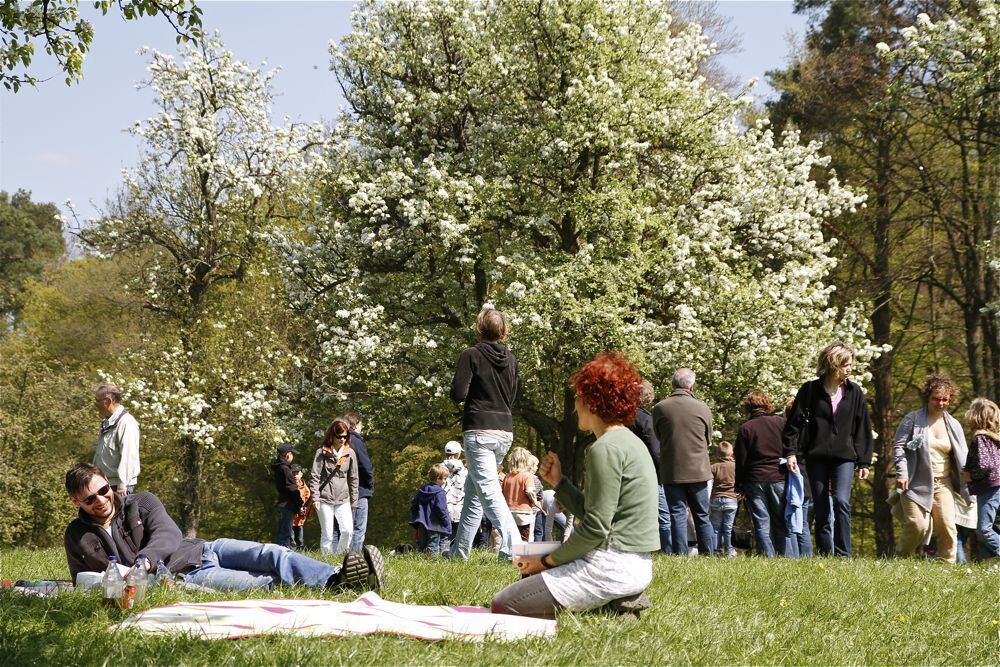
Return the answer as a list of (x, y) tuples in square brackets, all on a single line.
[(135, 580), (164, 578), (112, 583)]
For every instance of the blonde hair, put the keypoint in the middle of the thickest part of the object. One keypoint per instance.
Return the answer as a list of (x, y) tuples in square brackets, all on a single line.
[(533, 464), (726, 448), (519, 460), (983, 415), (437, 472), (835, 355)]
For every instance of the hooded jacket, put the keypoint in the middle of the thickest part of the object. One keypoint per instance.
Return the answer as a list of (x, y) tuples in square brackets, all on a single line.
[(334, 481), (486, 379), (140, 525), (454, 487), (289, 497), (429, 509)]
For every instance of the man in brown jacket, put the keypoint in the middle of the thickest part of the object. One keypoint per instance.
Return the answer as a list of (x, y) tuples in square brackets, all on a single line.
[(683, 425)]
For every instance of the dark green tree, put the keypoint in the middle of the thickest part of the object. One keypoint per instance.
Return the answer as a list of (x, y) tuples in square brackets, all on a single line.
[(30, 238)]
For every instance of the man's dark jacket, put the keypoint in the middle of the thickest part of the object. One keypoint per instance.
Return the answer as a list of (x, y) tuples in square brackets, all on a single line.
[(846, 437), (643, 427), (140, 525), (288, 491), (366, 471)]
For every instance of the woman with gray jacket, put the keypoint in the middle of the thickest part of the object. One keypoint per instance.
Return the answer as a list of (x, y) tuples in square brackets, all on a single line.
[(334, 486), (929, 451)]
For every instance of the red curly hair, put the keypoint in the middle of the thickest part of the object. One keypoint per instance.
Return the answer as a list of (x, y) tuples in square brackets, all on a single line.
[(610, 386)]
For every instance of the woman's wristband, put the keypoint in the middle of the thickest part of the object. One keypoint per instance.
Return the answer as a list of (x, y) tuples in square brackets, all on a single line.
[(546, 564)]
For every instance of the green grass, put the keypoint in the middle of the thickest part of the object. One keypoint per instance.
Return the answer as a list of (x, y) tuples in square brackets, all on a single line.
[(706, 612)]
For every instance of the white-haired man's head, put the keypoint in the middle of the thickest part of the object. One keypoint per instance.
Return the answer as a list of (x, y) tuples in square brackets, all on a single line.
[(683, 379)]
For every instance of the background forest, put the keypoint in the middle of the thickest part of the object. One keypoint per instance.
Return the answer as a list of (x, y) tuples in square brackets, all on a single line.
[(583, 166)]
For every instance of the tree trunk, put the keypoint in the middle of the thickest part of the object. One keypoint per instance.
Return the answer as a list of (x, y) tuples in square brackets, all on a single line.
[(882, 325), (190, 512), (882, 414)]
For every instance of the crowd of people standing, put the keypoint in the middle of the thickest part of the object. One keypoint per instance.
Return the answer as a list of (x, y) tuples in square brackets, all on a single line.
[(647, 476)]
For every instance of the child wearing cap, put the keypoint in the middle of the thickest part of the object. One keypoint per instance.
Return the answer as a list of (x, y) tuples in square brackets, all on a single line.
[(289, 500), (454, 486)]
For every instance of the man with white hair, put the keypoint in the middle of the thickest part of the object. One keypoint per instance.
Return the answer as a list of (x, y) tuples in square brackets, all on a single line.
[(683, 425), (117, 453)]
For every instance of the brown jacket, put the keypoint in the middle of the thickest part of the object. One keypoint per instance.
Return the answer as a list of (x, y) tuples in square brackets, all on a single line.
[(683, 425), (724, 478)]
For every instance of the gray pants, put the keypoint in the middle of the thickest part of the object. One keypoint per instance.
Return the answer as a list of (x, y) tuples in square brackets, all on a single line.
[(527, 597)]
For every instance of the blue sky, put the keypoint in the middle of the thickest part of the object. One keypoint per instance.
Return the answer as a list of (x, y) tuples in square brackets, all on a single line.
[(67, 142)]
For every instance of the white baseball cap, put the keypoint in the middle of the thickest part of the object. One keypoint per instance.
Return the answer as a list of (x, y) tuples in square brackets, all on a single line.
[(452, 447)]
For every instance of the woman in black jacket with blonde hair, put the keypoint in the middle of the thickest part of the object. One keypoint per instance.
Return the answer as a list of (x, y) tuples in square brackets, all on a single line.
[(831, 428)]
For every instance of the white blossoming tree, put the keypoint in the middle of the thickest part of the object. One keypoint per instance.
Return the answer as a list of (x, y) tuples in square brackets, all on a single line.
[(566, 163), (215, 176)]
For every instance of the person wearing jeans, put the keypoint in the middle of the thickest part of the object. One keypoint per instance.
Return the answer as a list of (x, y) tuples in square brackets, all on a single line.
[(126, 527), (643, 427), (366, 480), (982, 470), (683, 426), (289, 498), (830, 426), (486, 380), (724, 500)]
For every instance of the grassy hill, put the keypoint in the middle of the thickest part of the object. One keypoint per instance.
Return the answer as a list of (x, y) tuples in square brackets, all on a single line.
[(706, 612)]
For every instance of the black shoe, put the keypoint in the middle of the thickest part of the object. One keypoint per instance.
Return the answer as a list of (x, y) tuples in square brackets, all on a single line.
[(630, 607), (353, 573), (376, 567)]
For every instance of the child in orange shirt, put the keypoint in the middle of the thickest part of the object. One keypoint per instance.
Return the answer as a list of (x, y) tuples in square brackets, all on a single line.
[(299, 520), (519, 490)]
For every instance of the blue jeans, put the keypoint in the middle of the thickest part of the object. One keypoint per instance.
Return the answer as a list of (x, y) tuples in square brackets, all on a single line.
[(430, 541), (663, 516), (298, 537), (238, 565), (483, 455), (989, 538), (539, 527), (680, 497), (801, 543), (766, 501), (723, 516), (360, 525), (833, 478), (284, 534)]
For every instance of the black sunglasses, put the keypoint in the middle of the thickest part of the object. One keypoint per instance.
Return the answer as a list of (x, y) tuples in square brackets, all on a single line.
[(103, 491)]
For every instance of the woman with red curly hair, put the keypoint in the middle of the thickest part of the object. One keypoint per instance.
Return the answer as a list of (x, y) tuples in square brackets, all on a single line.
[(607, 558)]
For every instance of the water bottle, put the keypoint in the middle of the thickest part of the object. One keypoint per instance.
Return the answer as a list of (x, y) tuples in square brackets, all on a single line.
[(112, 583), (135, 582), (164, 579)]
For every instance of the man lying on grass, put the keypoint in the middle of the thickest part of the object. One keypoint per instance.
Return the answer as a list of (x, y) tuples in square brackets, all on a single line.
[(112, 525)]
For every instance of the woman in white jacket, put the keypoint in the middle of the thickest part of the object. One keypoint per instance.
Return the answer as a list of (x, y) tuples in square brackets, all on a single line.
[(929, 451)]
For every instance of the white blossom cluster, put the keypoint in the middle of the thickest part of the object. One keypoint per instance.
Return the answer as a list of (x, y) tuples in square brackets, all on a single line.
[(568, 163)]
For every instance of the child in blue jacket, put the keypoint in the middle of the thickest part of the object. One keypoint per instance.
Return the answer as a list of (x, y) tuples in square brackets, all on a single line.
[(429, 512)]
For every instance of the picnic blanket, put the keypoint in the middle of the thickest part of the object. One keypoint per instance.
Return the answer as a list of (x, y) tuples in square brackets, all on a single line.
[(369, 614)]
